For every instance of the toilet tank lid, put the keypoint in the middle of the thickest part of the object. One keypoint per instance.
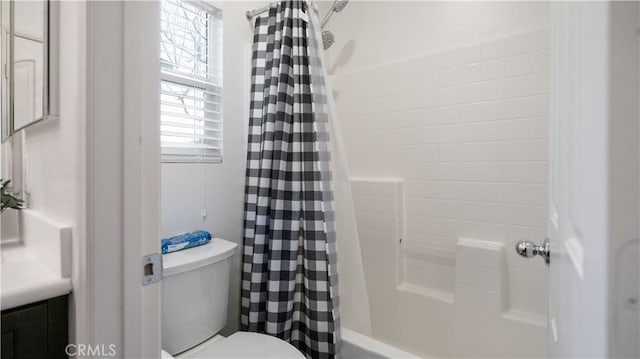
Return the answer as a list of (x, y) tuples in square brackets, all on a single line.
[(187, 259)]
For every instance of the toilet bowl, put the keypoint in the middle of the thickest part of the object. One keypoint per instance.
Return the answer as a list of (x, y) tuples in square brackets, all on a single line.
[(195, 289)]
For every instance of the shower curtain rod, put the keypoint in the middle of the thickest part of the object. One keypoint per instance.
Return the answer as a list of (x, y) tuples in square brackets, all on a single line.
[(255, 12), (258, 11)]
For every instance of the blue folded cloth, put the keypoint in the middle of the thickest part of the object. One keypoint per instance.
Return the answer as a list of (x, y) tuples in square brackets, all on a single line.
[(184, 241)]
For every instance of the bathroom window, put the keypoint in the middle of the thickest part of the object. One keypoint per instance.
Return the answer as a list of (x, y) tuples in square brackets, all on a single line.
[(191, 81)]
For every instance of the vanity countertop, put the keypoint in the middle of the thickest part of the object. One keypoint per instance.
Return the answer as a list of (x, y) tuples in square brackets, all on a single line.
[(26, 279)]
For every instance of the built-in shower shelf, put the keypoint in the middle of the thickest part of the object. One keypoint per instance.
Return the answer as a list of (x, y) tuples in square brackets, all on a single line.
[(446, 297)]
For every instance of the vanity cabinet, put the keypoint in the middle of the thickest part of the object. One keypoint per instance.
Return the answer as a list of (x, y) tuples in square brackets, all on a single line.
[(35, 331)]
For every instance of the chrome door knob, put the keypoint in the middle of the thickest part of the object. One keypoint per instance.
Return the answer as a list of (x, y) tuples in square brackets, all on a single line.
[(529, 249)]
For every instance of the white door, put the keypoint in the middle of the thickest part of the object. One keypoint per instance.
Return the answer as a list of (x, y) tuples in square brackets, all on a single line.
[(594, 183)]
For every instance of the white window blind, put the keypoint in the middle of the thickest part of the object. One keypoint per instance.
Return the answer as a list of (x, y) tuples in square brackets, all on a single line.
[(191, 81)]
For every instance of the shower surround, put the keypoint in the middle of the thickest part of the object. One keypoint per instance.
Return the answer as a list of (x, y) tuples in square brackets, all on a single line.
[(448, 158)]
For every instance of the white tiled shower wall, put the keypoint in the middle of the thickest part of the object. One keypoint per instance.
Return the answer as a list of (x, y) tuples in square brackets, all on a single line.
[(466, 131)]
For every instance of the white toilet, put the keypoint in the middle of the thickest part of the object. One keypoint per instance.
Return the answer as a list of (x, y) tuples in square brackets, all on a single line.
[(195, 288)]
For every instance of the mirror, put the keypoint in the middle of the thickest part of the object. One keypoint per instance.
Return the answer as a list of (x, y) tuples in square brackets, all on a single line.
[(24, 63)]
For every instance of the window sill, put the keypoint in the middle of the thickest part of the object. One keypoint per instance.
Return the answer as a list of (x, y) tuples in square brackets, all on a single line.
[(191, 160)]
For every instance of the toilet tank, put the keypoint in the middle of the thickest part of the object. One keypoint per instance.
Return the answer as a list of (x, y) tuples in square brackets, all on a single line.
[(195, 289)]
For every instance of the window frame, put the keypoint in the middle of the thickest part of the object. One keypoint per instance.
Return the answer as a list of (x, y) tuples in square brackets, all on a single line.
[(199, 83)]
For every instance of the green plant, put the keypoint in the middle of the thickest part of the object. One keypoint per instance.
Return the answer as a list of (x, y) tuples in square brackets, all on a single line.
[(10, 199)]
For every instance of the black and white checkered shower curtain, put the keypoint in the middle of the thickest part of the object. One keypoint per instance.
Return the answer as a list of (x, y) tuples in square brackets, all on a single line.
[(289, 280)]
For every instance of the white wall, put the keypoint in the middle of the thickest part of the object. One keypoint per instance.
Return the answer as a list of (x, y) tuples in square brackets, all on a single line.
[(50, 147), (218, 189)]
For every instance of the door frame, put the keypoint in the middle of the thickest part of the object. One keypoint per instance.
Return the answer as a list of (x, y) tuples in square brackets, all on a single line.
[(142, 304), (119, 207)]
